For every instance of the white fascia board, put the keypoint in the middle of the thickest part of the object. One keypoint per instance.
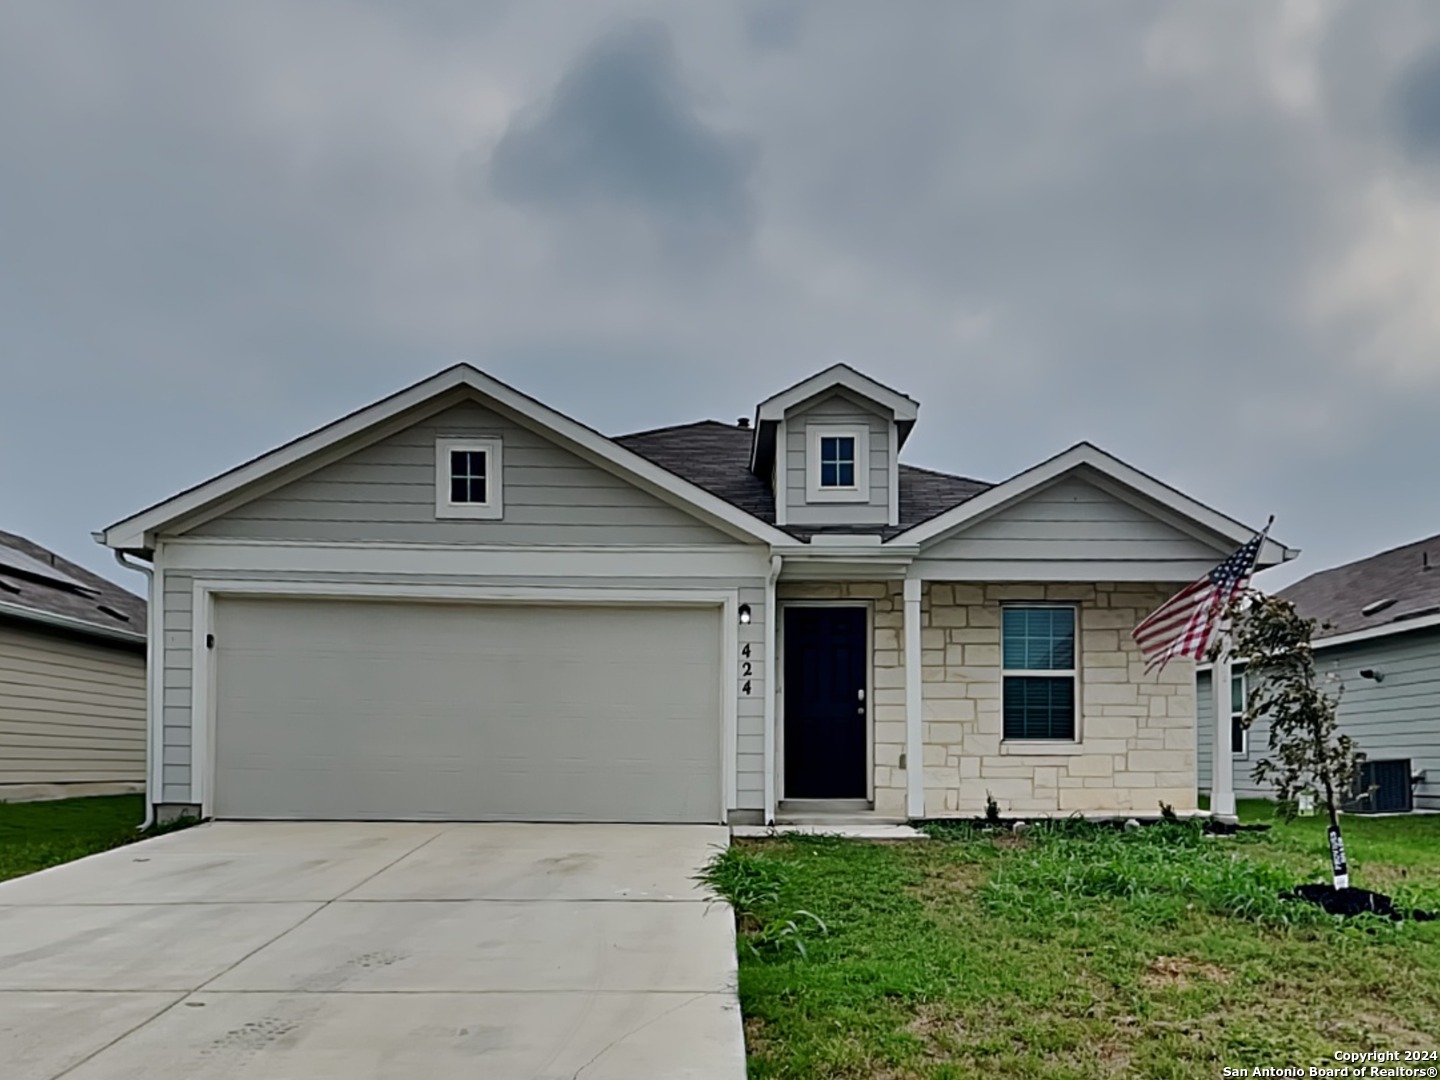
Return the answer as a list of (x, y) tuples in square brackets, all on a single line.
[(842, 375), (137, 532), (1082, 456), (401, 560), (1159, 571), (69, 622), (1370, 633)]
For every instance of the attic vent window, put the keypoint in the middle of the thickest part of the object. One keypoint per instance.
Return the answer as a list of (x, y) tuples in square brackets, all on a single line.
[(838, 466), (837, 461), (108, 610), (468, 478)]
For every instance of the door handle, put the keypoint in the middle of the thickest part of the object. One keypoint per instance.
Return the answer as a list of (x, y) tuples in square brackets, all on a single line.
[(860, 694)]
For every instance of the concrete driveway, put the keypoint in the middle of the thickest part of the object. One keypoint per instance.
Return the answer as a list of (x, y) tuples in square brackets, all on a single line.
[(349, 951)]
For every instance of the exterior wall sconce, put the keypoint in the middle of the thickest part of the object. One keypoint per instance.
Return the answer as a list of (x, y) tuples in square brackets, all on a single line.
[(744, 614)]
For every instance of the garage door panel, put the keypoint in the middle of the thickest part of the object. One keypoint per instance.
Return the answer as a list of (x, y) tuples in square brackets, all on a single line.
[(472, 712)]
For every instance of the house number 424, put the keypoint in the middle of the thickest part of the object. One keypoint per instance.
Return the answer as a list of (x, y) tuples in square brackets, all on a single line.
[(745, 668)]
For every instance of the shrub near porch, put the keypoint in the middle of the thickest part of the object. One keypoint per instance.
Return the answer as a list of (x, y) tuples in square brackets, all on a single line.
[(1136, 745)]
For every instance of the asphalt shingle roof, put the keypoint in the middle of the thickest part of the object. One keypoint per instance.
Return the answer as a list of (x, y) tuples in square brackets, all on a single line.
[(1337, 596), (716, 457), (23, 585)]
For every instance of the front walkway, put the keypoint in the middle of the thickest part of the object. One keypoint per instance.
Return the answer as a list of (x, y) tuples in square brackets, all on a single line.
[(342, 951)]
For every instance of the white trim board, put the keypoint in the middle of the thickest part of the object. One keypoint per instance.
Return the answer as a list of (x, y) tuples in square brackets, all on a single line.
[(1370, 633), (137, 532), (1079, 458), (20, 612), (205, 590), (496, 560), (838, 375)]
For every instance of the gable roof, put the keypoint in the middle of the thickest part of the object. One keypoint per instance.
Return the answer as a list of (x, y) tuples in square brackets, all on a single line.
[(1095, 464), (716, 457), (36, 585), (770, 412), (136, 533), (1338, 596), (837, 375)]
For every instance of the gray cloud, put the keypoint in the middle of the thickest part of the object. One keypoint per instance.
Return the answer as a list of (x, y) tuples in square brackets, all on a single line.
[(622, 130), (1418, 105), (1204, 236)]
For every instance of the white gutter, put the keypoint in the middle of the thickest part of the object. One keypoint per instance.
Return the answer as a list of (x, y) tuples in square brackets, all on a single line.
[(772, 681), (70, 622), (1398, 626), (153, 685)]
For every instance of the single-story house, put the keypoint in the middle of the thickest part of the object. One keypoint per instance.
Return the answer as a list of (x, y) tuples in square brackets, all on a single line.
[(1379, 641), (458, 603), (72, 678)]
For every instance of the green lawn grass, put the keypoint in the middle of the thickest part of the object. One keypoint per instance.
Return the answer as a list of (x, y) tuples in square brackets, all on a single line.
[(34, 835), (1078, 952)]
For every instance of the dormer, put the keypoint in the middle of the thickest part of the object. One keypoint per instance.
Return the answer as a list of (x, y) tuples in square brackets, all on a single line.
[(829, 448)]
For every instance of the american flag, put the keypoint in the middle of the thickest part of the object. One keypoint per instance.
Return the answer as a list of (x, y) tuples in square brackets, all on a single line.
[(1186, 623)]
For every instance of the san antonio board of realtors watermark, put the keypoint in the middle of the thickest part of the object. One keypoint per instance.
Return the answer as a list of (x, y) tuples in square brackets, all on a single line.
[(1350, 1063)]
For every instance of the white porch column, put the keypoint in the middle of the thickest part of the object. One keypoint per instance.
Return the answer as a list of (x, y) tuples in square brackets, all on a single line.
[(914, 744), (1222, 761)]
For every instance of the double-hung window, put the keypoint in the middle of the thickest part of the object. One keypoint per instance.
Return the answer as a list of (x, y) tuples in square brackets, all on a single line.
[(1239, 736), (1038, 671), (468, 478)]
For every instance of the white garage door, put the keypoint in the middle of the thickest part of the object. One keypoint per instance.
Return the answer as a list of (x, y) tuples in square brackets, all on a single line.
[(377, 709)]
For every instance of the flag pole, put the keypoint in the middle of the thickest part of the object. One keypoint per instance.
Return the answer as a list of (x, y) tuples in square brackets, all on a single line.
[(1222, 757)]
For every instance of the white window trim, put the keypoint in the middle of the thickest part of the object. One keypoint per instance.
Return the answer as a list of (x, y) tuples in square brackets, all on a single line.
[(1244, 750), (860, 492), (1073, 672), (491, 510)]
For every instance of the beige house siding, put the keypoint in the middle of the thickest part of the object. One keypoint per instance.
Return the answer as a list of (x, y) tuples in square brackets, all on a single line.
[(71, 712)]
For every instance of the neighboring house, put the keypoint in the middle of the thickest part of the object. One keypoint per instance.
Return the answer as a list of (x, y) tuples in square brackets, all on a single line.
[(457, 603), (72, 678), (1379, 616)]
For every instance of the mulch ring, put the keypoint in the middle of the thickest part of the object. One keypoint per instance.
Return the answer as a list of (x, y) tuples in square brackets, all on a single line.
[(1351, 901)]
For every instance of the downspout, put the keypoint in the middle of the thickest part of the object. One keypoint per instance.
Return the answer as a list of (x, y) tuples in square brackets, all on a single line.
[(772, 681), (153, 683)]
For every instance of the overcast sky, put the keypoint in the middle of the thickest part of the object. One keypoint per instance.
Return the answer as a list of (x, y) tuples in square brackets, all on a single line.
[(1205, 236)]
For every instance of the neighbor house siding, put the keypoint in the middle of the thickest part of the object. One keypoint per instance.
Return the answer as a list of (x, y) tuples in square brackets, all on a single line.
[(386, 492), (749, 748), (1396, 718), (838, 410), (71, 711), (1071, 520)]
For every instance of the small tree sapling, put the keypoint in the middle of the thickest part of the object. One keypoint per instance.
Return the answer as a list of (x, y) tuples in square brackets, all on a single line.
[(1307, 751)]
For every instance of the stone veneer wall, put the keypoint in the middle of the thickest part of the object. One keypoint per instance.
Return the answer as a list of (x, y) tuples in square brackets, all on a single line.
[(1136, 743)]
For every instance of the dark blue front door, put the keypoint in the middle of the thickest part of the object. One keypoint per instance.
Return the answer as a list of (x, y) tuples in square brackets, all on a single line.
[(825, 704)]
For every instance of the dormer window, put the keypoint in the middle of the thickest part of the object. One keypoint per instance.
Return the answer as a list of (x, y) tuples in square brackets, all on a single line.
[(837, 461), (839, 465), (467, 478)]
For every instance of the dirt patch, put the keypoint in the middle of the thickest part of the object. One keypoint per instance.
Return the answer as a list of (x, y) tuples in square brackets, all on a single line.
[(1378, 1029), (1180, 971), (755, 1039)]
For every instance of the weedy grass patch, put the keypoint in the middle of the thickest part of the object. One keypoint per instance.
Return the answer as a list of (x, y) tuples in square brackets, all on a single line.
[(36, 835), (1074, 951)]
